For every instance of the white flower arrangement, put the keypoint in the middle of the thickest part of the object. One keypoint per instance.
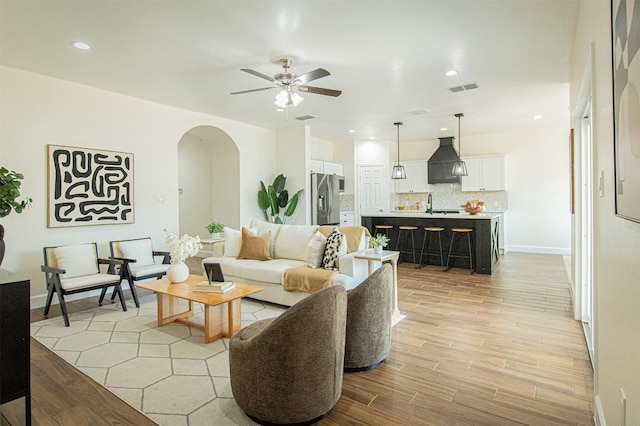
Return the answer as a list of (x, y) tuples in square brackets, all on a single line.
[(181, 248)]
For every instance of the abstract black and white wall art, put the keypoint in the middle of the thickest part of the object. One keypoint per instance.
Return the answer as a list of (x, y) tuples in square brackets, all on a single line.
[(626, 106), (89, 186)]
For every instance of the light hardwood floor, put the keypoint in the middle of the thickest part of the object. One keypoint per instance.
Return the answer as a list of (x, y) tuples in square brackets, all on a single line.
[(473, 350)]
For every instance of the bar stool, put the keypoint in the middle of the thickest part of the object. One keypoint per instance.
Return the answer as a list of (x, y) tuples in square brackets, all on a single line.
[(428, 232), (402, 249), (462, 231)]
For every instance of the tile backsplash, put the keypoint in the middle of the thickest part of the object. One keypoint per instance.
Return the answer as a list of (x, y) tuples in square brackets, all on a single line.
[(445, 197), (450, 196)]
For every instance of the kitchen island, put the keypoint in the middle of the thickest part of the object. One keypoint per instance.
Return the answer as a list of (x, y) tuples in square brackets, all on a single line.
[(485, 235)]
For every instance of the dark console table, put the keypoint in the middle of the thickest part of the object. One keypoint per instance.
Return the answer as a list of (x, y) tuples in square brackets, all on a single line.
[(15, 359)]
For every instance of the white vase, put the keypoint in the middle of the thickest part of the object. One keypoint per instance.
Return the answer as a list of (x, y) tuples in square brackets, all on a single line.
[(178, 272), (377, 250), (216, 235)]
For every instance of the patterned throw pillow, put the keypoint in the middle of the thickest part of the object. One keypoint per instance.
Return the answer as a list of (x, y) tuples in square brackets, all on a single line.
[(330, 259)]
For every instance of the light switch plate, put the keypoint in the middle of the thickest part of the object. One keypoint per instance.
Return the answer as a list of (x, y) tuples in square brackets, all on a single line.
[(158, 198)]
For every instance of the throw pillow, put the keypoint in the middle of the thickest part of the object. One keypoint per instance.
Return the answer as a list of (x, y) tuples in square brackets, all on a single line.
[(78, 260), (254, 247), (140, 250), (330, 258), (233, 241), (315, 250)]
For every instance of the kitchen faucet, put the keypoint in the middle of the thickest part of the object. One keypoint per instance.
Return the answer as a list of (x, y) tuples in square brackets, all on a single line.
[(429, 204)]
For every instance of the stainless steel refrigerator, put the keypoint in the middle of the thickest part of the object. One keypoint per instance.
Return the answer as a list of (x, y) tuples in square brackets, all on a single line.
[(325, 198)]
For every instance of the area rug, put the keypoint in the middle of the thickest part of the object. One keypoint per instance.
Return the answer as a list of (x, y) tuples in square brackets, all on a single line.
[(168, 373)]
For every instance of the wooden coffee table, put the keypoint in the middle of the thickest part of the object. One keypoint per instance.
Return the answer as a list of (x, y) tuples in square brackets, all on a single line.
[(222, 311)]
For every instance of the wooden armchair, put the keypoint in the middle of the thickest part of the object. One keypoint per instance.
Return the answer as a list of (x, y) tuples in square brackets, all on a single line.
[(138, 262), (76, 268)]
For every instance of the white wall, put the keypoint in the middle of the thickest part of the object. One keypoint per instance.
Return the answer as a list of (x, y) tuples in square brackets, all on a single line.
[(321, 149), (39, 110), (538, 180), (616, 240), (293, 147)]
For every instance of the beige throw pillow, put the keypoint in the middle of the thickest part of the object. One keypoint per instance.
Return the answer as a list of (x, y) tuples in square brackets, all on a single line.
[(233, 241), (139, 250), (254, 247)]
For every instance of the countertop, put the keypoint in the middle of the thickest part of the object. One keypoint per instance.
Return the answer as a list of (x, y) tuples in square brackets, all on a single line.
[(418, 214)]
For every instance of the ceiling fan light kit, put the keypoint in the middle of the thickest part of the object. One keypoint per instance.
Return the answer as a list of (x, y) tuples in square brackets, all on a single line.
[(459, 167), (398, 171), (290, 83)]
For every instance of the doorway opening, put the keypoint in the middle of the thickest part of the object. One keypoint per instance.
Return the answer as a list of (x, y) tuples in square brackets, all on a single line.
[(208, 180)]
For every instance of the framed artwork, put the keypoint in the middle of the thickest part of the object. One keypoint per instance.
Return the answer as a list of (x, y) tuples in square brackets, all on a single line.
[(625, 26), (89, 187)]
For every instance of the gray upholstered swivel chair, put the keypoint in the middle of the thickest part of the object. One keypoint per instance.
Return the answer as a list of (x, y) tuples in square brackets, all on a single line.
[(289, 369), (369, 307)]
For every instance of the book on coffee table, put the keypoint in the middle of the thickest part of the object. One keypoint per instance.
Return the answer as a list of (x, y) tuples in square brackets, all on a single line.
[(214, 287)]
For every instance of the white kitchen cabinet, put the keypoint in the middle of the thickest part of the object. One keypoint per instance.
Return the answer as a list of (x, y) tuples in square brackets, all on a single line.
[(333, 168), (417, 177), (317, 166), (327, 167), (484, 174), (347, 219)]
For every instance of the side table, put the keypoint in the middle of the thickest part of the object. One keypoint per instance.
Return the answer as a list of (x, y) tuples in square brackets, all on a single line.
[(392, 258)]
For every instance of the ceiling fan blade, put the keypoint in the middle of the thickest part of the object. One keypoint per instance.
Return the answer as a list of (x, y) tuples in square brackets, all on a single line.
[(258, 74), (312, 75), (252, 90), (320, 91)]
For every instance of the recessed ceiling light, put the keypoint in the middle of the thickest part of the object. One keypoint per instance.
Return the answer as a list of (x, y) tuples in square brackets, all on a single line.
[(279, 109), (372, 138), (451, 73), (81, 45), (442, 129), (352, 131), (537, 117)]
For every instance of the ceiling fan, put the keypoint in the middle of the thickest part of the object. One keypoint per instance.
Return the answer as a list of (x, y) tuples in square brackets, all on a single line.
[(289, 83)]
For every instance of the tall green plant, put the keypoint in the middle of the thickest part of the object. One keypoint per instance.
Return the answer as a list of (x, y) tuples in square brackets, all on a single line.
[(9, 191), (273, 198)]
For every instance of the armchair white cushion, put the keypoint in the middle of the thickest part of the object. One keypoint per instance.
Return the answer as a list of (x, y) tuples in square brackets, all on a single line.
[(139, 250), (77, 260)]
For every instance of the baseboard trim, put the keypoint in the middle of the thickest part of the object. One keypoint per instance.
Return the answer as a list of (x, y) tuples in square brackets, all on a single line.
[(598, 415), (540, 250)]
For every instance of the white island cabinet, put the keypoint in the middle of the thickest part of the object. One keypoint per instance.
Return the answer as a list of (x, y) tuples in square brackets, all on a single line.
[(417, 176), (484, 174)]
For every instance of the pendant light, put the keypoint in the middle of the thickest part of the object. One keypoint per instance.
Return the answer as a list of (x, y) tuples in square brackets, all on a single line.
[(398, 170), (459, 167)]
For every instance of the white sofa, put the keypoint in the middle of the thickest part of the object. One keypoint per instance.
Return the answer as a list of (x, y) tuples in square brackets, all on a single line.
[(287, 250)]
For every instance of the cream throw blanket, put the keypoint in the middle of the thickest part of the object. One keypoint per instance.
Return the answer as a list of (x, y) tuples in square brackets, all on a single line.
[(307, 279), (311, 280)]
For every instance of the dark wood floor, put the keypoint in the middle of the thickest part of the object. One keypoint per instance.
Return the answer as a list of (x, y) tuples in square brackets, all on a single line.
[(473, 350)]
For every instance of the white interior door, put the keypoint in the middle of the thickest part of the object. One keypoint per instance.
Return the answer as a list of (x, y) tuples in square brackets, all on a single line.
[(372, 189)]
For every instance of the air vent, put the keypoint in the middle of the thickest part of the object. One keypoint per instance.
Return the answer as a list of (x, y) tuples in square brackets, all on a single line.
[(305, 117), (469, 86), (419, 112)]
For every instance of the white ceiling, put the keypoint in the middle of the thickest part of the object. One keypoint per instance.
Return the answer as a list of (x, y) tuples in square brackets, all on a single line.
[(387, 57)]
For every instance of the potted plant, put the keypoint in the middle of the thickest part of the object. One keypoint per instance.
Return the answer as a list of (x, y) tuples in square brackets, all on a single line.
[(9, 191), (378, 242), (274, 198), (215, 229)]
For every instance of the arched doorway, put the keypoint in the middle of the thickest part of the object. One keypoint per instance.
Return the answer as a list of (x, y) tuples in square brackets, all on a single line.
[(208, 180)]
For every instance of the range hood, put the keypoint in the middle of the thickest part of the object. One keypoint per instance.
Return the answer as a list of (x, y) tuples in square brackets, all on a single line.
[(441, 162)]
